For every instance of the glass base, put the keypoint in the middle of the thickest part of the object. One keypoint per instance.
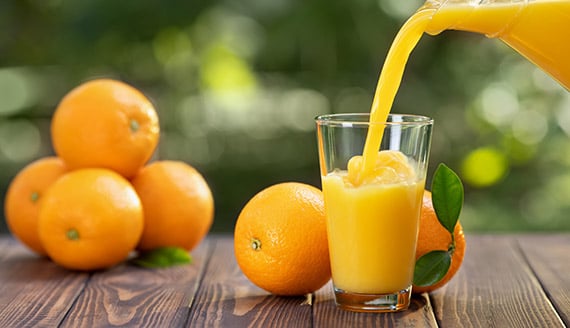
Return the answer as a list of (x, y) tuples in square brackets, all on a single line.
[(357, 302)]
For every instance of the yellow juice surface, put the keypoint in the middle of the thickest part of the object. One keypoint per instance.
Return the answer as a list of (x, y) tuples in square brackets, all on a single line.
[(372, 228), (539, 30)]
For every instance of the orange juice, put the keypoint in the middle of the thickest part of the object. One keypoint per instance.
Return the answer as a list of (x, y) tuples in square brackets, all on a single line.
[(372, 228), (373, 206), (539, 30), (372, 220), (389, 82), (372, 234)]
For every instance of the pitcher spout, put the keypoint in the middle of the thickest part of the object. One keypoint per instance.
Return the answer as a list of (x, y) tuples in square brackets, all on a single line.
[(535, 29)]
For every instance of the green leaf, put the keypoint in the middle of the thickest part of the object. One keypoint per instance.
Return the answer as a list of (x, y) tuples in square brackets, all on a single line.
[(162, 257), (431, 268), (447, 196)]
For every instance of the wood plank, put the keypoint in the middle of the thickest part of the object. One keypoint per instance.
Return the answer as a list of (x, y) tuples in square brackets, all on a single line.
[(132, 296), (549, 258), (226, 298), (34, 292), (328, 315), (494, 288)]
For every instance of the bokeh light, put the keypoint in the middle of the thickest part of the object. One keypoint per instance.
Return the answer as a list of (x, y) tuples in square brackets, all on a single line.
[(16, 91), (237, 86), (484, 167), (20, 140)]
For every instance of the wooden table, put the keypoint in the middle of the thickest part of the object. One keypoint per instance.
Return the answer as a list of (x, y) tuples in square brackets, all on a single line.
[(505, 281)]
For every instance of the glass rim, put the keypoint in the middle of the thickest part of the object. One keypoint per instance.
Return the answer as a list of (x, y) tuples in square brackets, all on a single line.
[(364, 119)]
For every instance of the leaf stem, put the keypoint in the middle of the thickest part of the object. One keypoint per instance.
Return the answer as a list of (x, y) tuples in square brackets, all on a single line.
[(451, 248)]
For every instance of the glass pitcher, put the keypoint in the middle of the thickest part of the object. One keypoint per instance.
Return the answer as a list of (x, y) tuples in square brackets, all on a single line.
[(537, 29)]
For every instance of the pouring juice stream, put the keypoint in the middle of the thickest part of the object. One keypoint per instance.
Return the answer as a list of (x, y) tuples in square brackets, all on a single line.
[(537, 29), (388, 84)]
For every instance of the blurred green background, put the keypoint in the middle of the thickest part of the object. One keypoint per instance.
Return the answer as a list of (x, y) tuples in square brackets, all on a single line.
[(238, 83)]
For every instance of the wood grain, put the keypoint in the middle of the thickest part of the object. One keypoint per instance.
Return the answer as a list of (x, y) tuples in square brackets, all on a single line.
[(34, 292), (505, 281), (549, 258), (226, 298), (494, 288), (139, 297)]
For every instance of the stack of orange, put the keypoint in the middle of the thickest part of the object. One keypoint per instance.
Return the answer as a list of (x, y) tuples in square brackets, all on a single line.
[(98, 200)]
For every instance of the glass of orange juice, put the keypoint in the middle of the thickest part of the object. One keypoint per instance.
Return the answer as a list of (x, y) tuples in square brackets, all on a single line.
[(373, 206)]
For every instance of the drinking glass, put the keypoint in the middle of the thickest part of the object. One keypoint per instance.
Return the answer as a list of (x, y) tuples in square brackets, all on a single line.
[(372, 219)]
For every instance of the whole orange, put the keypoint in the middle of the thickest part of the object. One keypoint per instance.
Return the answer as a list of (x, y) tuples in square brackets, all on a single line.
[(21, 205), (178, 205), (433, 236), (90, 219), (280, 239), (105, 123)]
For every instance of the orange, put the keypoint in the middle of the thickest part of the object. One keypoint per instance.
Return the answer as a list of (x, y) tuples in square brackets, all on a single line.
[(105, 123), (280, 239), (178, 205), (433, 236), (21, 206), (90, 219)]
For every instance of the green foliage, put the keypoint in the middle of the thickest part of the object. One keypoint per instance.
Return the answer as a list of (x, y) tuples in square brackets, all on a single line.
[(431, 268), (162, 257), (237, 84), (447, 199), (447, 196)]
